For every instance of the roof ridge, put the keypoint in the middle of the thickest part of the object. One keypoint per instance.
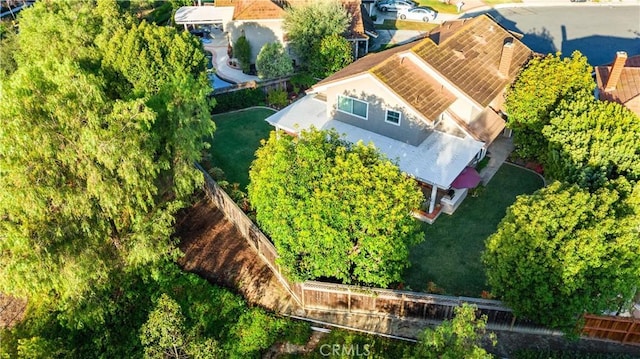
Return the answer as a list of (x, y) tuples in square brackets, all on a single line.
[(384, 62), (465, 24)]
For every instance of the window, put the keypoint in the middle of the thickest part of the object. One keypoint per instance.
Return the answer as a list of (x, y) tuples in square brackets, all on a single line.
[(393, 117), (353, 106)]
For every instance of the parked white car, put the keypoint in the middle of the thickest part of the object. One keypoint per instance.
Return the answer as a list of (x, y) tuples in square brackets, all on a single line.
[(395, 5), (418, 14)]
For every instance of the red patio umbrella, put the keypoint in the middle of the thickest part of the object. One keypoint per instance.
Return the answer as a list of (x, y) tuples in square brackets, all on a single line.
[(468, 178)]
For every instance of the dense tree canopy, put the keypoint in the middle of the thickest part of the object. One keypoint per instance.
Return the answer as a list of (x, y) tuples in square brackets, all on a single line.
[(564, 251), (332, 54), (103, 118), (459, 338), (150, 313), (334, 209), (307, 25), (539, 88), (164, 334), (101, 125), (273, 61), (591, 141)]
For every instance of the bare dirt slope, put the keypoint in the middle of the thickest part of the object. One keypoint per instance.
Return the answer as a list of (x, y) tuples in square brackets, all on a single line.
[(215, 250)]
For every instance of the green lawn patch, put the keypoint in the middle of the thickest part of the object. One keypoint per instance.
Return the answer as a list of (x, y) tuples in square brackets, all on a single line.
[(236, 140), (390, 24), (496, 2), (439, 6), (450, 254)]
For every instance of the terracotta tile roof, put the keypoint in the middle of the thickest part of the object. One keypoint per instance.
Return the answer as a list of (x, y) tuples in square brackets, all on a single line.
[(412, 84), (253, 9), (628, 86), (274, 9), (469, 58), (356, 27)]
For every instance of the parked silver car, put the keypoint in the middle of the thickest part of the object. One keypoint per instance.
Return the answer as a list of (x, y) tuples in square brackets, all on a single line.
[(418, 14), (395, 5)]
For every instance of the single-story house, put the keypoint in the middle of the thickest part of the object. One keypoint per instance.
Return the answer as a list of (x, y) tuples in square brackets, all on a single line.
[(620, 81), (261, 21), (433, 105)]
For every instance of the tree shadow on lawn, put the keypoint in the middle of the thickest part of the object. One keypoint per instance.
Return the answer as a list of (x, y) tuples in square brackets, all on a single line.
[(450, 254)]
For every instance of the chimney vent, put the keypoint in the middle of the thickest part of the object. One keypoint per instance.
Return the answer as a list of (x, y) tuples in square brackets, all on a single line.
[(616, 71), (505, 58)]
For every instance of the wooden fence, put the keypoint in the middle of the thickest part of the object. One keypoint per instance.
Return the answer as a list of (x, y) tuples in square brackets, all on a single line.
[(619, 329), (249, 231), (279, 83), (339, 298)]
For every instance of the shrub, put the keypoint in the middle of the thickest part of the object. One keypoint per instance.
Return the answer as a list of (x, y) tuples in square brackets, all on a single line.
[(242, 50), (273, 61), (238, 100), (302, 80), (277, 98)]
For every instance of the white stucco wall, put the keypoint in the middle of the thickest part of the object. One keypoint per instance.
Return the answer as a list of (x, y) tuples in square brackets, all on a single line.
[(257, 32)]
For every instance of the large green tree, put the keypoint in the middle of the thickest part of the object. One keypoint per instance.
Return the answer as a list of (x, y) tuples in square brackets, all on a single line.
[(101, 125), (307, 24), (564, 251), (332, 54), (334, 209), (164, 334), (459, 338), (537, 91), (591, 141)]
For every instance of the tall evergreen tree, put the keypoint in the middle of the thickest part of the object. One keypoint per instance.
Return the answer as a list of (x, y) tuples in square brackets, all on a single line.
[(592, 141), (96, 151), (537, 91)]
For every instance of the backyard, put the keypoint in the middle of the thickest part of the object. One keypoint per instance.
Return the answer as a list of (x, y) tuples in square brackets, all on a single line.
[(236, 140), (450, 254)]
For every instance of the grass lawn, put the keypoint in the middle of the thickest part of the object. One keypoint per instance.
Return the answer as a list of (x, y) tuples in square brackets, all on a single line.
[(450, 254), (496, 2), (440, 6), (236, 140), (390, 24)]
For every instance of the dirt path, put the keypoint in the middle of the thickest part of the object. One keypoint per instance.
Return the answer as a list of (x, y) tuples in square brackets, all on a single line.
[(215, 250)]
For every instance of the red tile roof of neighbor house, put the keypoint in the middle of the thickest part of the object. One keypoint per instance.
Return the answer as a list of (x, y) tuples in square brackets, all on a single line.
[(628, 85), (275, 9), (467, 53)]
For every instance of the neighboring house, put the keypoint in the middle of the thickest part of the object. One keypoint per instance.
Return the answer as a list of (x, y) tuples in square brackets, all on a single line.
[(261, 21), (620, 81), (433, 105)]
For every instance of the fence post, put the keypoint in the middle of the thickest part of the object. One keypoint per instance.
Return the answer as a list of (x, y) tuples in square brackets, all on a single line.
[(349, 300), (375, 301), (513, 321), (304, 304), (630, 329), (402, 306)]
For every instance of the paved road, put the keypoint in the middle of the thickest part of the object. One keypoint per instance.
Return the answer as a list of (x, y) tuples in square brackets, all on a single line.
[(597, 31)]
